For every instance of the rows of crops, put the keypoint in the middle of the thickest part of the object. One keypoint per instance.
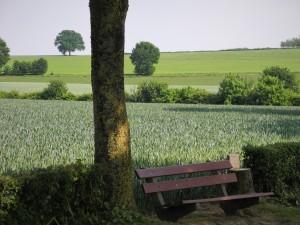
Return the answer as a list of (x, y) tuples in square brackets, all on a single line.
[(43, 133)]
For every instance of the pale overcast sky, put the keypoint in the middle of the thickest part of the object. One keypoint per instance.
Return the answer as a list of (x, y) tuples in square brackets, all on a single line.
[(29, 27)]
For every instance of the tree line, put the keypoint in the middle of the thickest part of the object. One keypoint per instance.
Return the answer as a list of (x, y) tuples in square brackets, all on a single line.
[(291, 43)]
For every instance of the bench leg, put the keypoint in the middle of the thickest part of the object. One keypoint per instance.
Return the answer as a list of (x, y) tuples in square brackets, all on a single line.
[(231, 207), (174, 213)]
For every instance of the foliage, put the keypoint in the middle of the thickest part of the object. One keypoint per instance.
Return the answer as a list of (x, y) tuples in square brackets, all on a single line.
[(4, 53), (56, 89), (69, 41), (276, 168), (36, 67), (154, 91), (85, 97), (187, 95), (143, 56), (38, 134), (271, 91), (234, 90), (72, 194), (151, 91), (291, 43), (39, 66), (284, 74)]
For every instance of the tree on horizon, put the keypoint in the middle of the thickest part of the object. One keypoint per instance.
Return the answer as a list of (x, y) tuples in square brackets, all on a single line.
[(69, 41)]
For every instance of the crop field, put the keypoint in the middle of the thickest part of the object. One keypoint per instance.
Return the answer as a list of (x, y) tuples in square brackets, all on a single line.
[(42, 133), (181, 68), (38, 134)]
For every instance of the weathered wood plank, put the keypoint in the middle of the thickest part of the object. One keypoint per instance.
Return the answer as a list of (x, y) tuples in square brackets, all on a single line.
[(182, 169), (227, 198), (189, 183)]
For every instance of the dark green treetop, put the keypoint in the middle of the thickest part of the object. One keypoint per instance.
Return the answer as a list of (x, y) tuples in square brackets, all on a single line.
[(4, 53), (143, 56), (69, 41)]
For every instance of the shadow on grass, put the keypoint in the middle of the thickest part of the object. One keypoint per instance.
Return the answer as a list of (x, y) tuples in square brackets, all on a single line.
[(293, 111)]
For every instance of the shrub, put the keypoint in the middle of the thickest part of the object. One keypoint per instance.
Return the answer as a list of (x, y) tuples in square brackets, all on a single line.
[(271, 91), (151, 91), (36, 67), (6, 70), (73, 194), (276, 168), (85, 97), (14, 94), (186, 95), (296, 100), (20, 68), (39, 66), (32, 95), (56, 89), (283, 74), (234, 90)]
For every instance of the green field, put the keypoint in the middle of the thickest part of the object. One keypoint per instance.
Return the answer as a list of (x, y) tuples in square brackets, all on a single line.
[(181, 68), (37, 134), (43, 133)]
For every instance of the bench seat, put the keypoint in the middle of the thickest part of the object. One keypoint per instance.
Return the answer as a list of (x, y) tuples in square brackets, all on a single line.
[(218, 174)]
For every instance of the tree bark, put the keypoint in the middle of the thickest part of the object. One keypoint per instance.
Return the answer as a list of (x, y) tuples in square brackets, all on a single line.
[(112, 136)]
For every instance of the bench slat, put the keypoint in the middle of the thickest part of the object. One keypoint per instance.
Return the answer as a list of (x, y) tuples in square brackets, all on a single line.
[(226, 198), (182, 169), (189, 183)]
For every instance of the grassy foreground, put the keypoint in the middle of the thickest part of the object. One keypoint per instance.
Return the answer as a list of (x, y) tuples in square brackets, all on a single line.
[(262, 214), (181, 68)]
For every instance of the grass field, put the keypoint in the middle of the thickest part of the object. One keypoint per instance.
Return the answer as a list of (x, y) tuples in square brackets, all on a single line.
[(182, 68), (37, 134), (43, 133)]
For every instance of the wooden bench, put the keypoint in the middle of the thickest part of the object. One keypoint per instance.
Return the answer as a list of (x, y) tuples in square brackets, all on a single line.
[(217, 174)]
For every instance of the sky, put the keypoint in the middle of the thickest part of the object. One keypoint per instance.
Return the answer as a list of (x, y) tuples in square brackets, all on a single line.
[(29, 27)]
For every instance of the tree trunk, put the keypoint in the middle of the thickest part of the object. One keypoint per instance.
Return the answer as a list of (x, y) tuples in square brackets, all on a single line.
[(112, 137)]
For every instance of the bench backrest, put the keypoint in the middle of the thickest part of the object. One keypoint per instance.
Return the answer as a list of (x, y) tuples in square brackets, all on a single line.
[(153, 187)]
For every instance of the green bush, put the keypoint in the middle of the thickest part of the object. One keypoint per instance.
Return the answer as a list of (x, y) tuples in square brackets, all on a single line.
[(283, 74), (36, 67), (234, 90), (187, 95), (13, 94), (296, 100), (151, 91), (271, 91), (85, 97), (56, 89), (72, 194), (276, 168), (32, 95), (39, 67)]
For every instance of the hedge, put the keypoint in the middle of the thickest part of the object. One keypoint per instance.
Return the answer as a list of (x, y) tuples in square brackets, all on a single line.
[(72, 194), (276, 167)]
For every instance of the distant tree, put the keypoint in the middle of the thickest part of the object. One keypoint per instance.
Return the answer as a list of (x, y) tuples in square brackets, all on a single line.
[(283, 74), (271, 91), (69, 41), (291, 43), (39, 66), (4, 53), (21, 68), (234, 90), (36, 67), (143, 56), (56, 90)]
